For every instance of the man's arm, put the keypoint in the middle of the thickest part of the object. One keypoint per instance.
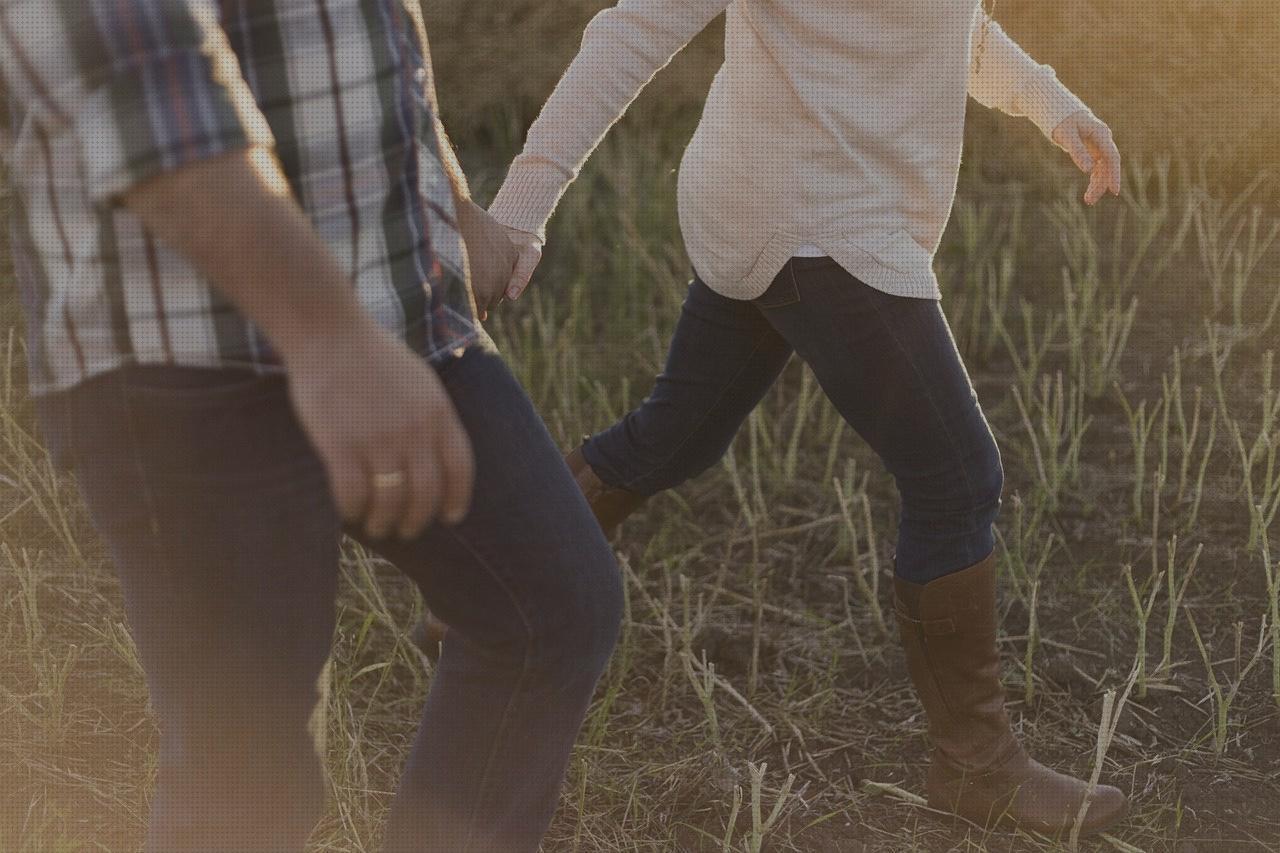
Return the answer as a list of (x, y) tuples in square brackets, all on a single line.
[(369, 404), (212, 191)]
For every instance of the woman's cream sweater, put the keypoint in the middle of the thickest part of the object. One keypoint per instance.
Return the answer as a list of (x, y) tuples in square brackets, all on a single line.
[(832, 123)]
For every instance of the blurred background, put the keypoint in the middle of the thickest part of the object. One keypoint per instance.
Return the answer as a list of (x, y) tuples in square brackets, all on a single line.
[(757, 701), (1198, 77)]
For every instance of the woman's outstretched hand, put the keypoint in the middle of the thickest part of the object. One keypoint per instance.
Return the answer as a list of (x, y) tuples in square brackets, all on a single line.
[(1090, 145)]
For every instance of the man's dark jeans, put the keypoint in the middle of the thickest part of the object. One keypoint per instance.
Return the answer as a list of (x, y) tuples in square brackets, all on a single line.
[(888, 363), (217, 513)]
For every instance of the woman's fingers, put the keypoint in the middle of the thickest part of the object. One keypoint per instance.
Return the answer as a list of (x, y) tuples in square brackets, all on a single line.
[(1098, 185), (1106, 176), (1074, 143), (530, 256), (1111, 156)]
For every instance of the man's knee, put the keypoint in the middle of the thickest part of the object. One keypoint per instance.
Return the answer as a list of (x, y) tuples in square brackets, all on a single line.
[(580, 632)]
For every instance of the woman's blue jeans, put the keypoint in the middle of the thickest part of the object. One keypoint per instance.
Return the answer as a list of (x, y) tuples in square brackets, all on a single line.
[(888, 363)]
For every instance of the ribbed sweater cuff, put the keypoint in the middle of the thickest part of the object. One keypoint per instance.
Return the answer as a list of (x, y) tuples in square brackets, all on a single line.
[(529, 195), (1048, 103)]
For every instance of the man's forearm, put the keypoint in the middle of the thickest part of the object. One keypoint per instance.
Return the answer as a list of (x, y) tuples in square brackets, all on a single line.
[(233, 218)]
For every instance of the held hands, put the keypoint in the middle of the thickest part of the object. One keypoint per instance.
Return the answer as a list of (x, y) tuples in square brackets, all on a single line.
[(1089, 143), (502, 259), (396, 453), (530, 246)]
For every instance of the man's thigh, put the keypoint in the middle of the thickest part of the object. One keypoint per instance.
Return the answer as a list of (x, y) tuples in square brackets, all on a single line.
[(529, 564), (217, 516)]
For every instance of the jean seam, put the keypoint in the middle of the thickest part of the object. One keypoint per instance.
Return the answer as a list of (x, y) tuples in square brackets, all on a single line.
[(135, 458), (915, 368), (526, 664), (755, 348)]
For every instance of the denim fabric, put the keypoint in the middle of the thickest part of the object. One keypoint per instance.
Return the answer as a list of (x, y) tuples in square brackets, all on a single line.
[(888, 363), (218, 516)]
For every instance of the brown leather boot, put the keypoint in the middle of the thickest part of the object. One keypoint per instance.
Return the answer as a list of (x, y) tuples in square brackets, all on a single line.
[(610, 506), (978, 769)]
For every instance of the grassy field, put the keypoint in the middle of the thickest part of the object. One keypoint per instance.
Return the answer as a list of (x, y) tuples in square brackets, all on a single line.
[(758, 699)]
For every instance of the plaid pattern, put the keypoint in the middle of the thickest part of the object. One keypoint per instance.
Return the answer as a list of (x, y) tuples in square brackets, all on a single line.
[(102, 94)]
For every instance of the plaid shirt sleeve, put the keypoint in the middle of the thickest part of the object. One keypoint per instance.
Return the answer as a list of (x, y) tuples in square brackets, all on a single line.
[(143, 86)]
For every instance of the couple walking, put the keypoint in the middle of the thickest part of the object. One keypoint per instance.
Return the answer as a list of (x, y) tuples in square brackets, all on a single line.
[(252, 273)]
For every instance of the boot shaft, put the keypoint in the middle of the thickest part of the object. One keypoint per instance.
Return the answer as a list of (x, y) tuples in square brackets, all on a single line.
[(949, 631)]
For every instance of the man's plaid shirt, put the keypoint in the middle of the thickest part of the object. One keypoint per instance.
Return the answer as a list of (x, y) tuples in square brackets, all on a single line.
[(103, 94)]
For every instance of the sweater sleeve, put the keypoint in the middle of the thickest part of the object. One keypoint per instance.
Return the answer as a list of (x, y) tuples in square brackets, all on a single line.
[(1004, 77), (622, 49)]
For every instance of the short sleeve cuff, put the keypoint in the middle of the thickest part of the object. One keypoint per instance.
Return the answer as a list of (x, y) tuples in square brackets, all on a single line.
[(164, 111)]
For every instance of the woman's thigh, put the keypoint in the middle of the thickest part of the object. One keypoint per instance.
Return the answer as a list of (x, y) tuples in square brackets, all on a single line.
[(891, 367)]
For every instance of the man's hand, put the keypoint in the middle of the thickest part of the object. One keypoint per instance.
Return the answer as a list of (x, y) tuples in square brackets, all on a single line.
[(397, 456), (1090, 145), (376, 413), (490, 253)]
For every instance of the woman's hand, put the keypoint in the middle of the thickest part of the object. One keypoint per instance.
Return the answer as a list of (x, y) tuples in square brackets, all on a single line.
[(530, 248), (502, 258), (491, 254), (1090, 145)]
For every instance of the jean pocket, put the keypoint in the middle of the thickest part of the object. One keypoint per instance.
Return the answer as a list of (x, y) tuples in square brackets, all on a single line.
[(782, 291), (189, 387)]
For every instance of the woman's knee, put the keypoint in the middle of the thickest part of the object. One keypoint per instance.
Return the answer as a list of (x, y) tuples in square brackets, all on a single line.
[(652, 450), (988, 478), (964, 488)]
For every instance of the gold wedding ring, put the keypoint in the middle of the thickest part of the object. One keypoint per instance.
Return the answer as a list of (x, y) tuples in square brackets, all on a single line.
[(388, 480)]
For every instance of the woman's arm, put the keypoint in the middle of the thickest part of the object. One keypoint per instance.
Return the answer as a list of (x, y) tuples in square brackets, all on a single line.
[(622, 49), (1004, 77)]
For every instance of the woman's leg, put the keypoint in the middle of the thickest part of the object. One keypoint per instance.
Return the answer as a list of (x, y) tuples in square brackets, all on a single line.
[(891, 367), (723, 357)]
